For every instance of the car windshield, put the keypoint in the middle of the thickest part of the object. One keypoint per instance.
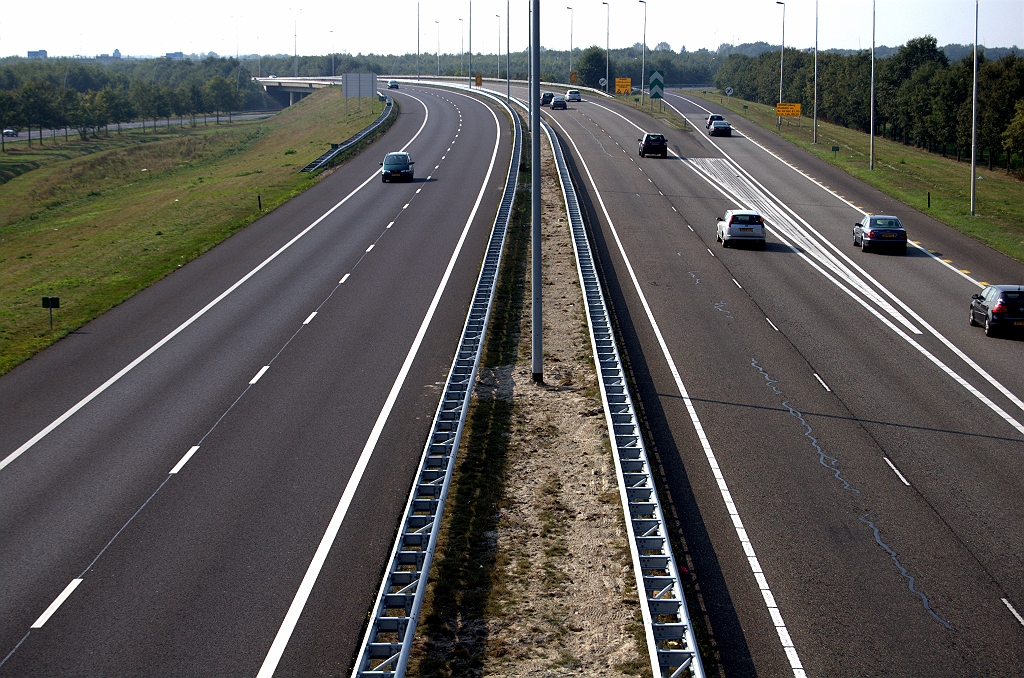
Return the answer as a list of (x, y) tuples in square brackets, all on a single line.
[(396, 159), (746, 219), (886, 223)]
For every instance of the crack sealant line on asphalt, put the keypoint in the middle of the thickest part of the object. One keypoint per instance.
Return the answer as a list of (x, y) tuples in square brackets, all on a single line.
[(826, 189), (774, 613), (153, 349)]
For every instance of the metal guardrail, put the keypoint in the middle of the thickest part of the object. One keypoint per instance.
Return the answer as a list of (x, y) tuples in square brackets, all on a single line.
[(388, 640), (330, 155), (670, 640)]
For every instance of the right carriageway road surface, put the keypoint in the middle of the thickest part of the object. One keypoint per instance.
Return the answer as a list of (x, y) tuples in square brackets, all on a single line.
[(192, 510), (842, 451)]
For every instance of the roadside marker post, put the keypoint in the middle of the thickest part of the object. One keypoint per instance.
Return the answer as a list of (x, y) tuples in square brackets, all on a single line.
[(51, 303), (835, 149)]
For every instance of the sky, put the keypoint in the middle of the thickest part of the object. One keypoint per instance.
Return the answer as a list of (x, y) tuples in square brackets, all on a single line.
[(364, 26)]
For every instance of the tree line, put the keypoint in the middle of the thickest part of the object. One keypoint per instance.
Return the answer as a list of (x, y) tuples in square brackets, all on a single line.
[(921, 97), (66, 94)]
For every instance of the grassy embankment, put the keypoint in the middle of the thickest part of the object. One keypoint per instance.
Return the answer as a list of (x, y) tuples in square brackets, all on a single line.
[(93, 222), (908, 174)]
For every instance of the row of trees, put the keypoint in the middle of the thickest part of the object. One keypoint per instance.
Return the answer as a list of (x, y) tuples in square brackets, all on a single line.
[(41, 104), (921, 98)]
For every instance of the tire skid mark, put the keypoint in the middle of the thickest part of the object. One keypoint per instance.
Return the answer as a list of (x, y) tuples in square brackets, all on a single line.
[(825, 459), (903, 571)]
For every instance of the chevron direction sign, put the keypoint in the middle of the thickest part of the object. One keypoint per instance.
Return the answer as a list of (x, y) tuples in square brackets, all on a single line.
[(657, 85)]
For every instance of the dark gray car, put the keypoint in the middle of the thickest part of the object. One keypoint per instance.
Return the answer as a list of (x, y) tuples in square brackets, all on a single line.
[(998, 308), (876, 231), (396, 167)]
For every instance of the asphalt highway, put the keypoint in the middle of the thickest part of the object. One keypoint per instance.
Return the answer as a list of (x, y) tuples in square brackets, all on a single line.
[(170, 472), (841, 450)]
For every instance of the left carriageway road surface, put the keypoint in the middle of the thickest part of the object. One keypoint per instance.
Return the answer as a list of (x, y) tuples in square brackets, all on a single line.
[(313, 339), (841, 449)]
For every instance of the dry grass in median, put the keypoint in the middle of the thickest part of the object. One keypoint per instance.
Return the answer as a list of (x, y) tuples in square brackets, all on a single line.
[(96, 221), (909, 174), (532, 575)]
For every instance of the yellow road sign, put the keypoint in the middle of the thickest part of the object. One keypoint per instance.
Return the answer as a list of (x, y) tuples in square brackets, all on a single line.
[(572, 78), (787, 110), (623, 85)]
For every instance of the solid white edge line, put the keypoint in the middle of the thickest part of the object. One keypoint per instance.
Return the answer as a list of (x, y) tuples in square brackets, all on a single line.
[(741, 533), (155, 347), (311, 316), (184, 460), (45, 616), (291, 618), (896, 471), (259, 374), (1013, 610), (344, 278), (822, 382)]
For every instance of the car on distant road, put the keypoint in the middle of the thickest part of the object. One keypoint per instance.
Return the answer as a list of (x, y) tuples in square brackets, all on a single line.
[(711, 118), (558, 102), (876, 231), (573, 95), (392, 84), (396, 166), (10, 132), (720, 128), (741, 226), (546, 98), (998, 308), (654, 144)]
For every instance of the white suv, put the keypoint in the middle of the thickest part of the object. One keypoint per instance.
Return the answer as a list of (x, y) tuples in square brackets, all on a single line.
[(741, 226)]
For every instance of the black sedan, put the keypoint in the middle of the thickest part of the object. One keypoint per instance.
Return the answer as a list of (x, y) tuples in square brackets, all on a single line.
[(653, 144), (877, 231), (558, 102), (396, 167), (998, 308), (720, 128)]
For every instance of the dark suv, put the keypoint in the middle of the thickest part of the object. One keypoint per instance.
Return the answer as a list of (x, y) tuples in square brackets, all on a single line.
[(655, 144), (546, 98), (998, 307), (396, 166)]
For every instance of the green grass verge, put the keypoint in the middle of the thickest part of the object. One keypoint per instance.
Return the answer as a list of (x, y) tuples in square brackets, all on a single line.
[(95, 221), (908, 174), (655, 109)]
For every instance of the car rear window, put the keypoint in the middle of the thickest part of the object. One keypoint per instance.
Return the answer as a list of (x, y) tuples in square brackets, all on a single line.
[(746, 219), (1013, 296), (886, 223), (655, 137)]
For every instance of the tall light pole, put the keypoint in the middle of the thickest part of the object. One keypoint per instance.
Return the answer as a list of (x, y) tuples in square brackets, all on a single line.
[(974, 118), (462, 47), (643, 60), (871, 159), (607, 34), (814, 140), (497, 73), (417, 41), (470, 43), (570, 44), (782, 56), (438, 48), (332, 54), (508, 53), (537, 279)]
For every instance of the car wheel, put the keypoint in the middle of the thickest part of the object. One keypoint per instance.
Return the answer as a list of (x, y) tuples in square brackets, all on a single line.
[(664, 154), (863, 245), (970, 313), (990, 331), (902, 250), (855, 243), (763, 244), (641, 153)]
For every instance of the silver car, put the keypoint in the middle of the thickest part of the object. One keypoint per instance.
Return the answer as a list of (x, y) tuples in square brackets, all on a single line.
[(741, 226), (573, 95)]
